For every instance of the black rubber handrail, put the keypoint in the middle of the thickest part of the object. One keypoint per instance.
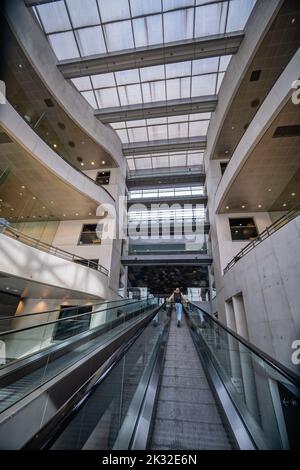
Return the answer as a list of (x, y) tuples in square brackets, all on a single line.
[(290, 375), (283, 220), (34, 243), (73, 317), (24, 315)]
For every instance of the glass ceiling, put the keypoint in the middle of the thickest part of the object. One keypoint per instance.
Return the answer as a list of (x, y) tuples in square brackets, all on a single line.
[(80, 28)]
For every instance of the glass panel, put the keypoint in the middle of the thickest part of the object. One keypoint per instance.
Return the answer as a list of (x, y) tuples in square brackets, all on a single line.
[(179, 69), (171, 4), (118, 35), (204, 84), (224, 62), (130, 94), (82, 83), (126, 77), (118, 10), (210, 19), (131, 164), (90, 41), (142, 163), (138, 134), (178, 25), (158, 132), (209, 65), (83, 13), (54, 17), (90, 97), (159, 162), (198, 128), (103, 80), (238, 14), (107, 97), (157, 72), (178, 88), (64, 45), (139, 8), (154, 91), (178, 130), (148, 30)]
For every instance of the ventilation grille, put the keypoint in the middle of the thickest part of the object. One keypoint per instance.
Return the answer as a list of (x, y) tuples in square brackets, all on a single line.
[(255, 75), (287, 131)]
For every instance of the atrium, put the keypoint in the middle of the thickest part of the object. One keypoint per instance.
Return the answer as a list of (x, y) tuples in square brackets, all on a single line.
[(149, 229)]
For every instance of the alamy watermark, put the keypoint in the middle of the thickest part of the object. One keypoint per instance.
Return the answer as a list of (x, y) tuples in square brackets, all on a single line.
[(2, 92), (296, 354), (296, 93)]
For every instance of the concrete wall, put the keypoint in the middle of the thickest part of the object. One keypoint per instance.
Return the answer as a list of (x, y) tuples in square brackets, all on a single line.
[(269, 278)]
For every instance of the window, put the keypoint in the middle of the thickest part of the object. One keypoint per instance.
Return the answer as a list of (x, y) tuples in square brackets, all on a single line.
[(103, 177), (91, 234), (66, 329), (243, 229)]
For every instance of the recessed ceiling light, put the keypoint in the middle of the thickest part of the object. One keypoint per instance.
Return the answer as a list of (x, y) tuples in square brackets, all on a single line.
[(82, 142), (7, 288), (22, 216), (33, 197), (21, 66), (51, 202), (284, 205), (259, 205), (33, 216), (92, 163), (270, 189), (232, 127), (293, 194), (44, 207), (90, 213), (55, 145), (23, 187), (103, 162), (226, 151), (1, 200), (12, 209), (81, 163), (76, 214), (243, 207), (227, 207), (293, 20), (21, 194), (64, 215)]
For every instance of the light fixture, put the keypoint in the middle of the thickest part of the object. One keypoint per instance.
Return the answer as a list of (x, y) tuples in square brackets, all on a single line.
[(227, 207), (226, 151), (81, 163), (92, 163), (22, 216), (76, 213), (23, 187), (12, 209), (243, 206), (21, 194), (33, 197), (293, 20), (284, 205), (82, 142), (7, 288), (64, 215), (21, 66), (33, 216), (232, 127), (270, 189), (55, 145), (51, 202), (293, 194), (90, 213), (44, 207), (259, 205), (103, 162)]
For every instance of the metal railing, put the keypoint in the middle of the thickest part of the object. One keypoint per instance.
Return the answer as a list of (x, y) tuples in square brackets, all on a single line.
[(33, 242), (165, 171), (290, 215)]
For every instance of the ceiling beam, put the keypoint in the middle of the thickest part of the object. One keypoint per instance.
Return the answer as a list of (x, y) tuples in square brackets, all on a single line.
[(199, 104), (169, 145), (210, 46)]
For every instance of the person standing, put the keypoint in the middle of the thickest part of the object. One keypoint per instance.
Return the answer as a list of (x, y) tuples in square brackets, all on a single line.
[(177, 297)]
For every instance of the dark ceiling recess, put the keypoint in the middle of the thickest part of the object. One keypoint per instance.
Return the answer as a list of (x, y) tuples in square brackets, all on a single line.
[(255, 75), (4, 139), (71, 143), (49, 103), (61, 125), (79, 159), (287, 131), (246, 126), (255, 103)]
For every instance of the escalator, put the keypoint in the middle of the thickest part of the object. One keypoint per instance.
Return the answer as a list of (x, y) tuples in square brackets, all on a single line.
[(200, 386)]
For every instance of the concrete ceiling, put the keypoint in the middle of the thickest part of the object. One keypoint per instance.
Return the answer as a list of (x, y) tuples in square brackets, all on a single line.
[(29, 188), (279, 45), (26, 92), (271, 173)]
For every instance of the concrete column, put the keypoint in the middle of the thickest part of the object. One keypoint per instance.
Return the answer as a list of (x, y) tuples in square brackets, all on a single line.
[(240, 316)]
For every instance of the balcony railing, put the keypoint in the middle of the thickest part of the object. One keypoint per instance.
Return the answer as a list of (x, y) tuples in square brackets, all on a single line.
[(290, 215), (33, 242), (165, 171)]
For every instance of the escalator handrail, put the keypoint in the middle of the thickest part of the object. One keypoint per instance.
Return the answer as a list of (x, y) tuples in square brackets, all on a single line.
[(13, 317), (5, 333), (66, 414), (290, 375)]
